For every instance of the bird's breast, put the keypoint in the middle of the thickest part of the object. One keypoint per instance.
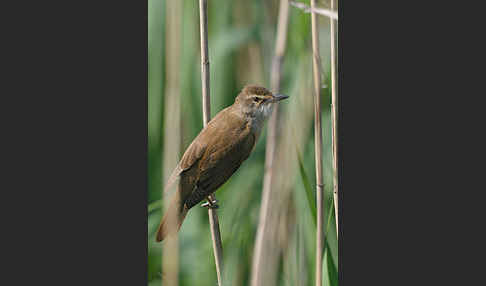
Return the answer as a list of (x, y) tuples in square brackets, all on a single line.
[(255, 125)]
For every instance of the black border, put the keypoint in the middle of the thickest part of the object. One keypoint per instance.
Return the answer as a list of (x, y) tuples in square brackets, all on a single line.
[(76, 76)]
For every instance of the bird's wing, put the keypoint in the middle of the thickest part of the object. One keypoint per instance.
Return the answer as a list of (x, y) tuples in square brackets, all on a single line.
[(192, 155), (196, 150), (221, 165), (221, 159)]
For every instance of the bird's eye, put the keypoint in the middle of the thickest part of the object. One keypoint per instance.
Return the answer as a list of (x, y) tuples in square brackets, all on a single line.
[(256, 99)]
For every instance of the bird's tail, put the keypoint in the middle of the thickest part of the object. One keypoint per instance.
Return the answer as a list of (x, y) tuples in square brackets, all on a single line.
[(172, 220)]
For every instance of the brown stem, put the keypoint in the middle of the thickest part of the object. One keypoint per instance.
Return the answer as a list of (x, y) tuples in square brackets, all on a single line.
[(270, 146), (213, 217), (333, 118), (172, 131), (318, 146)]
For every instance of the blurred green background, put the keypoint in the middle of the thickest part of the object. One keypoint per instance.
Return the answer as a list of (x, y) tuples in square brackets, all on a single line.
[(241, 46)]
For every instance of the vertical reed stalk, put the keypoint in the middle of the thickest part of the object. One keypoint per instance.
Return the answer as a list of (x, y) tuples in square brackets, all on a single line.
[(318, 145), (172, 133), (213, 217), (334, 119), (271, 143)]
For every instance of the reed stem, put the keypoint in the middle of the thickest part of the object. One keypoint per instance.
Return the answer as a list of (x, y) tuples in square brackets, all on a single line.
[(172, 131), (276, 72), (320, 11), (318, 145), (212, 213), (333, 118)]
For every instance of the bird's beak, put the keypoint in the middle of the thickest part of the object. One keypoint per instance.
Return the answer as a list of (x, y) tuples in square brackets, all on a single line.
[(278, 97)]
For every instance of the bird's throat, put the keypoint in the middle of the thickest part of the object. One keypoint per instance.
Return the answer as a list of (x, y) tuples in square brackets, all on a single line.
[(257, 121)]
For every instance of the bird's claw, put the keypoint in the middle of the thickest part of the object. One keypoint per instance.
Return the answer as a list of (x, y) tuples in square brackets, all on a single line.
[(211, 205)]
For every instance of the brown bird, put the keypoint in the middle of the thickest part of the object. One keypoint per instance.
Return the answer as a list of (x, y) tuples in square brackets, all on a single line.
[(216, 153)]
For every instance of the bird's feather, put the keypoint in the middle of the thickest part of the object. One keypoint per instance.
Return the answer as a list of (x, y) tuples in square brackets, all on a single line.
[(202, 168)]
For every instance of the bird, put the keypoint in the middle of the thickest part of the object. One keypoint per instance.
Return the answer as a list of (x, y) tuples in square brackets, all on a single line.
[(216, 153)]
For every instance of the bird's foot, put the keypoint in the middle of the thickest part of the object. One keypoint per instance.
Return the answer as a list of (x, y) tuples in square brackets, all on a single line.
[(210, 204)]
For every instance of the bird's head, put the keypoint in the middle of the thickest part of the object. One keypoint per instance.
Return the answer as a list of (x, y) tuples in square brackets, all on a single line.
[(257, 101)]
